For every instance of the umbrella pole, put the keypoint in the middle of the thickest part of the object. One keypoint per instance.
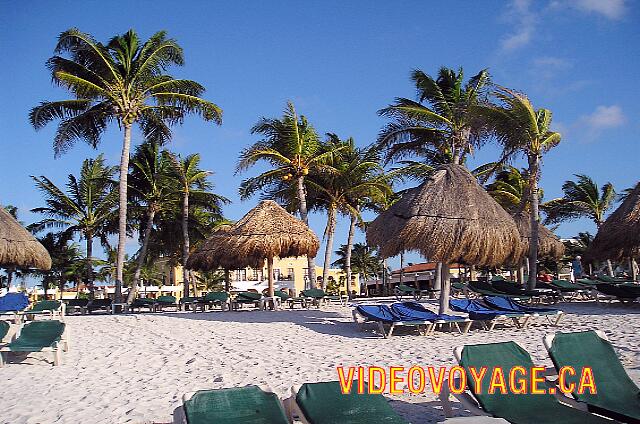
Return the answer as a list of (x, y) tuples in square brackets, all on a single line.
[(445, 288), (270, 270)]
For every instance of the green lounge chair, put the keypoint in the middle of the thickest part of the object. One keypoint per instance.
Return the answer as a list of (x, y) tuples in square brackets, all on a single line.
[(212, 299), (246, 298), (314, 296), (404, 290), (48, 308), (143, 302), (523, 408), (99, 304), (75, 305), (324, 403), (613, 280), (246, 405), (486, 289), (4, 329), (289, 300), (617, 395), (39, 336), (189, 301), (166, 302)]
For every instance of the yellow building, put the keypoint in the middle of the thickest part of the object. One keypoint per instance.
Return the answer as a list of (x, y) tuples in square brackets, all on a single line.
[(288, 273)]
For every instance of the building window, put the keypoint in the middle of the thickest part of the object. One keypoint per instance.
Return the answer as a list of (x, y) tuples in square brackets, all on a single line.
[(290, 273), (276, 274)]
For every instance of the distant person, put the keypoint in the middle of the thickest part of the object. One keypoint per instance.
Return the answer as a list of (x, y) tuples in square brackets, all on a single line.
[(577, 268)]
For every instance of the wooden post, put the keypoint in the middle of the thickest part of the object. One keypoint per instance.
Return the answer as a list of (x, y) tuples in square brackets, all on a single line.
[(270, 270), (444, 291)]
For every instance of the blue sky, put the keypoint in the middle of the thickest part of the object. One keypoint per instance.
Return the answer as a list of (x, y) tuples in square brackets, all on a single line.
[(340, 62)]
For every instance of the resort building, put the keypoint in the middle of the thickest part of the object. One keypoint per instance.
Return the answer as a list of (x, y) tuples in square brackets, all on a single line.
[(288, 273)]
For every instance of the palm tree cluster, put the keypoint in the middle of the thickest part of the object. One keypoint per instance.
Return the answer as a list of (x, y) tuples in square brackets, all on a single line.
[(168, 199)]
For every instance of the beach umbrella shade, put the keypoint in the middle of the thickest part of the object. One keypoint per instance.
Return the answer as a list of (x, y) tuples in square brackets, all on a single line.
[(549, 245), (619, 235), (265, 232), (18, 247), (448, 218)]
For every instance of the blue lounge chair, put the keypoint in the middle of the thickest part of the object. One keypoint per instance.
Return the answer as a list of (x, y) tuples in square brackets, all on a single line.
[(383, 315), (510, 305), (414, 310), (488, 316), (12, 304)]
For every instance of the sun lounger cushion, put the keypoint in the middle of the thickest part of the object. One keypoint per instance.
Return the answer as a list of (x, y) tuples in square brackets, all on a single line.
[(517, 408), (45, 306), (166, 300), (478, 311), (248, 296), (11, 302), (37, 335), (416, 311), (617, 395), (510, 305), (216, 297), (324, 403), (313, 293), (628, 291), (380, 313), (236, 405)]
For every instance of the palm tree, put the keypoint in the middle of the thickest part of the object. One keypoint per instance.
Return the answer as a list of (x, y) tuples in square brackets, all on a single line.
[(151, 191), (65, 258), (521, 128), (510, 189), (582, 199), (123, 81), (192, 183), (356, 180), (364, 261), (292, 148), (87, 208), (443, 131)]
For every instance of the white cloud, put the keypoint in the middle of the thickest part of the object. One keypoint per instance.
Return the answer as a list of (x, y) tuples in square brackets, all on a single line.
[(525, 24), (612, 9), (604, 117)]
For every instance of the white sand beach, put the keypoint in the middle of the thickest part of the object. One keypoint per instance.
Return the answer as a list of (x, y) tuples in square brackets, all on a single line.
[(135, 368)]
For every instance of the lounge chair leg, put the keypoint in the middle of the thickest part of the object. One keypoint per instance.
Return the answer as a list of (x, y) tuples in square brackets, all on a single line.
[(1, 359), (560, 315), (381, 329), (393, 326), (467, 327), (56, 356)]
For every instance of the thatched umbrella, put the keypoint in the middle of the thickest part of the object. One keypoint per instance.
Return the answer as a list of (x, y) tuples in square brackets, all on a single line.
[(265, 232), (18, 247), (448, 218), (619, 235), (549, 245)]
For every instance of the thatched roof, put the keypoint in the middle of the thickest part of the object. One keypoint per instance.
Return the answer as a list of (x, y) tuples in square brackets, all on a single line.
[(619, 235), (267, 231), (18, 248), (448, 218), (549, 245)]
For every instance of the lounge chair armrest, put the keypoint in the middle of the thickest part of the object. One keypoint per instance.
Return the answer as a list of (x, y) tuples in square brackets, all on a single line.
[(465, 398)]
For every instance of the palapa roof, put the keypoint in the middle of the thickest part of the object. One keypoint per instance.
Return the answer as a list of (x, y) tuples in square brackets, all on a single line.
[(549, 245), (266, 231), (448, 218), (18, 247), (619, 235)]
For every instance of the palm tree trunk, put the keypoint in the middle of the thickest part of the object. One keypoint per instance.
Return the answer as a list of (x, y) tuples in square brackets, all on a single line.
[(330, 231), (634, 269), (302, 201), (122, 213), (347, 256), (185, 245), (151, 213), (227, 281), (9, 278), (472, 273), (521, 273), (90, 265), (534, 165), (444, 291), (437, 282)]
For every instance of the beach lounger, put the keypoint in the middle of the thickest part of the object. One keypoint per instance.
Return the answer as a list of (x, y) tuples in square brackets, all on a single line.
[(191, 301), (524, 408), (486, 289), (403, 290), (99, 304), (624, 292), (143, 302), (324, 403), (246, 298), (46, 308), (512, 288), (166, 302), (289, 300), (617, 395), (212, 299), (314, 297), (76, 305), (4, 330), (510, 305), (612, 280), (489, 317), (382, 315), (237, 405), (12, 304), (39, 336), (416, 311)]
